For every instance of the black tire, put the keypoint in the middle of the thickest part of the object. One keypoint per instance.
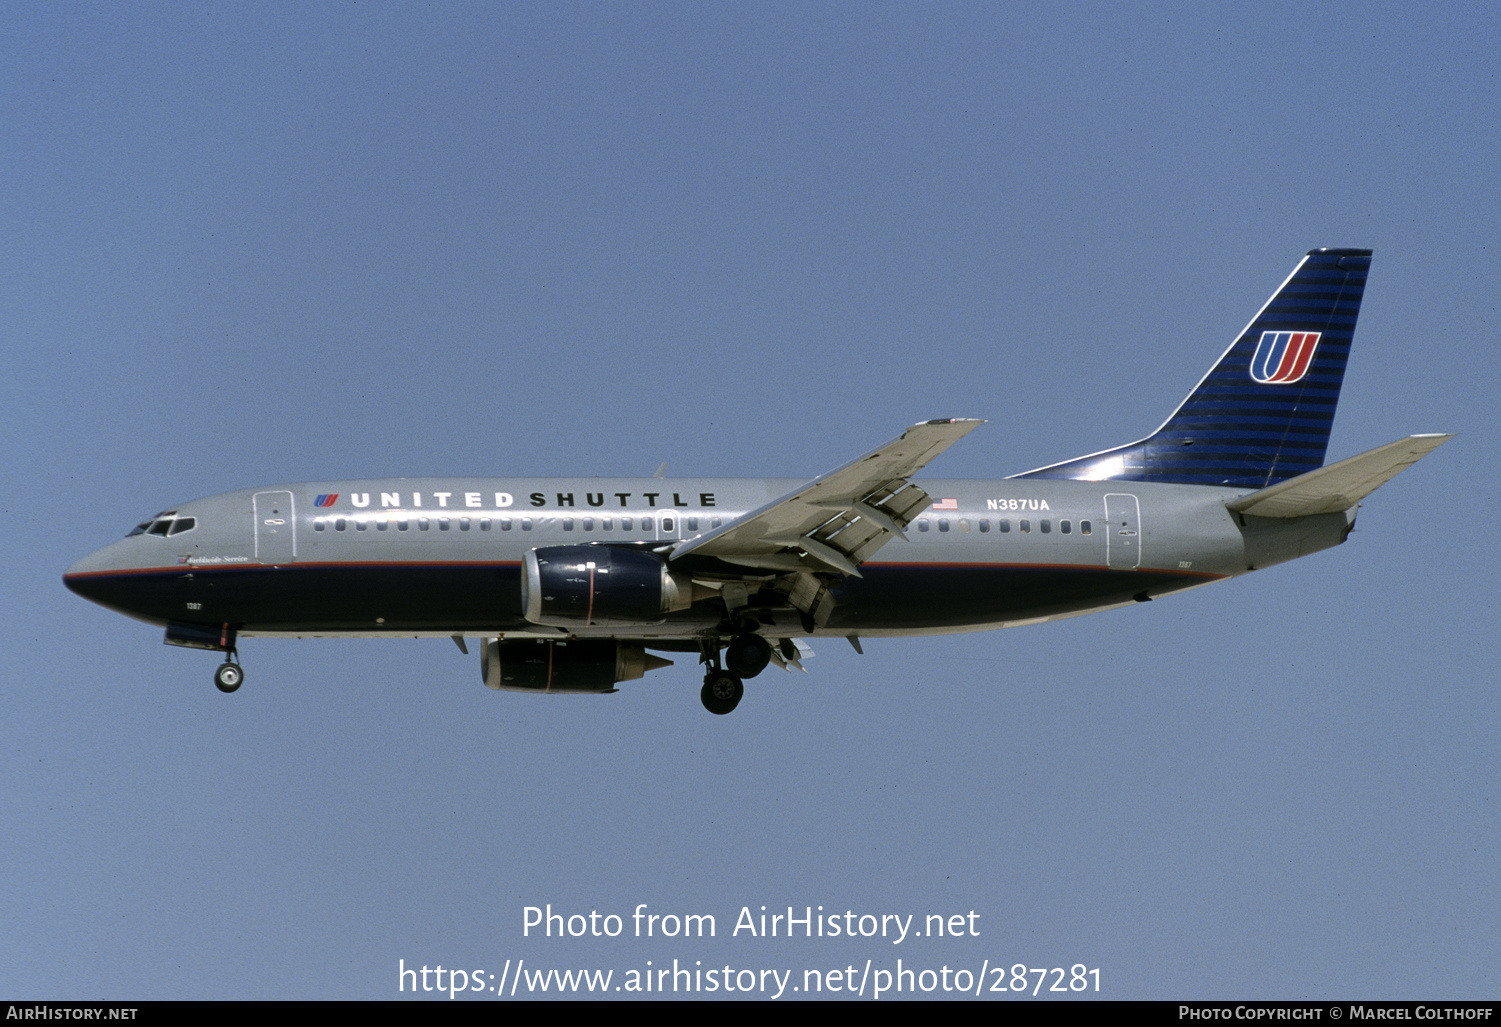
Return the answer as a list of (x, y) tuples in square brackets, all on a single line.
[(229, 677), (721, 693), (747, 655)]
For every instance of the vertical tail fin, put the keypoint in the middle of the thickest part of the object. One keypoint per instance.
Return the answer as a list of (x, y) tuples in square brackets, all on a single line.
[(1263, 413)]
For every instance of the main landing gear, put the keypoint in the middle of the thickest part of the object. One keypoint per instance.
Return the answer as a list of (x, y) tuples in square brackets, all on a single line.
[(721, 692), (745, 656), (230, 674)]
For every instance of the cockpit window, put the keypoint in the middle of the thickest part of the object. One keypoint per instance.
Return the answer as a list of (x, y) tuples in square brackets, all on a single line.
[(163, 524)]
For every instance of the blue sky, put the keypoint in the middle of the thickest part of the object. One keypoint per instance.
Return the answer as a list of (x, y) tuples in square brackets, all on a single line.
[(246, 245)]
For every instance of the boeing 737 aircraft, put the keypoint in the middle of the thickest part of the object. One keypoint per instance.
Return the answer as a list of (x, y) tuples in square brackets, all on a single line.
[(573, 584)]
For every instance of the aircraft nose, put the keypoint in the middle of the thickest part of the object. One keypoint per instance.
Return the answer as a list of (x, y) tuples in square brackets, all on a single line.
[(80, 576), (91, 576)]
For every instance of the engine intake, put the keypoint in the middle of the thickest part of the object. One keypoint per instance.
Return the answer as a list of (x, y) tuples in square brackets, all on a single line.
[(600, 586), (577, 665)]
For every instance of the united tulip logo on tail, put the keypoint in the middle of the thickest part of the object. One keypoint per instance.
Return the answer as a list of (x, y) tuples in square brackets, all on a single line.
[(1283, 357)]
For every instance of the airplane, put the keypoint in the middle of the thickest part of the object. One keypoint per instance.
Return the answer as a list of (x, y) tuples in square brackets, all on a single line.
[(574, 585)]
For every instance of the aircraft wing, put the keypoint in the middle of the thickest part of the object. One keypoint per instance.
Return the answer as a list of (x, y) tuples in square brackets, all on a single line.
[(1338, 486), (837, 520)]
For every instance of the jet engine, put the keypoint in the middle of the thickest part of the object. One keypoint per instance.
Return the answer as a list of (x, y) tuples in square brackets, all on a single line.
[(577, 665), (600, 586)]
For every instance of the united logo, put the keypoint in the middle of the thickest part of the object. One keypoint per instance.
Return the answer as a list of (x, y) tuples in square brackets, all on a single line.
[(1283, 357)]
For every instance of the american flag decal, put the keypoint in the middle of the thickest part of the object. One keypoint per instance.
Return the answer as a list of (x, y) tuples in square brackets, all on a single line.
[(946, 504)]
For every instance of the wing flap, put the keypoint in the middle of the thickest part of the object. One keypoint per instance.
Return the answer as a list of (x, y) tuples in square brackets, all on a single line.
[(838, 520), (1339, 486)]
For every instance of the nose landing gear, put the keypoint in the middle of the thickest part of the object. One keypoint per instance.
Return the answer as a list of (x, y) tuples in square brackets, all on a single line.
[(230, 674)]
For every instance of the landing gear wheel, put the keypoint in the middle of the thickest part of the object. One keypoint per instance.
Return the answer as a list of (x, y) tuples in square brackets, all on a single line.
[(721, 693), (747, 655), (229, 677)]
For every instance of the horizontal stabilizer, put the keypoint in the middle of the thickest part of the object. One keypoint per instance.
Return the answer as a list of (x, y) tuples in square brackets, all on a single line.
[(1338, 486)]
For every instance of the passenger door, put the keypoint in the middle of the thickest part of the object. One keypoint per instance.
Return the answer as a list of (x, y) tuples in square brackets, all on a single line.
[(275, 527), (1123, 539)]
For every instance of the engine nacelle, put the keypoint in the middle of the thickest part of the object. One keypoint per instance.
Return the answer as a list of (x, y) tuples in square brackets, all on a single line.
[(577, 665), (600, 586)]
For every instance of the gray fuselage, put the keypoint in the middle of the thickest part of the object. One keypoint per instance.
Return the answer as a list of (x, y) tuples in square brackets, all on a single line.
[(432, 556)]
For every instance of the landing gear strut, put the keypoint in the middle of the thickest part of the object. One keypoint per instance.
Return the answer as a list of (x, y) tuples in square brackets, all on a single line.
[(230, 674)]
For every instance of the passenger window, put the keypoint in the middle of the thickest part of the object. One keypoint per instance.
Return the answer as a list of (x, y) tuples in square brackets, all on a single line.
[(922, 525), (1084, 528), (666, 523), (943, 524), (984, 524), (1046, 526), (567, 523), (606, 523), (1004, 524), (422, 524), (714, 522), (1065, 527), (692, 523), (1024, 526), (526, 524), (442, 523), (588, 523), (317, 523), (359, 525), (463, 524), (625, 523), (403, 524)]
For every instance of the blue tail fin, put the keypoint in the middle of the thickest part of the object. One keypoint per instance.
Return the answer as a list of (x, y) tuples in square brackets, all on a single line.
[(1263, 413)]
